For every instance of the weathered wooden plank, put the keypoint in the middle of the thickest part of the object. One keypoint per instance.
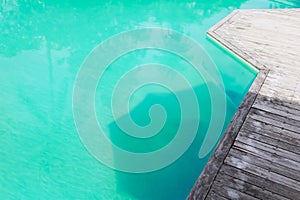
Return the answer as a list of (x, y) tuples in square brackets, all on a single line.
[(237, 25), (279, 91), (266, 22), (287, 14), (214, 196), (291, 107), (269, 140), (269, 148), (280, 86), (263, 173), (230, 193), (242, 29), (247, 188), (272, 131), (281, 73), (276, 120), (262, 42), (276, 110), (263, 45), (276, 94), (288, 163), (246, 156), (265, 184), (283, 68)]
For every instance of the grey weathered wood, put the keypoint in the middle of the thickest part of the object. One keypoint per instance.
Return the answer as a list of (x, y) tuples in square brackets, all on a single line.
[(288, 105), (214, 196), (273, 131), (263, 173), (264, 163), (270, 140), (247, 188), (223, 189), (261, 147), (278, 110), (276, 188), (288, 163), (276, 120)]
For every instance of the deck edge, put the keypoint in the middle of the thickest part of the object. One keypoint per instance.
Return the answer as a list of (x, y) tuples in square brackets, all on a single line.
[(204, 182), (231, 47)]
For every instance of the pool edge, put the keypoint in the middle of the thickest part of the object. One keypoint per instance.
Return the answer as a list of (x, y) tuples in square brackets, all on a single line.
[(205, 180)]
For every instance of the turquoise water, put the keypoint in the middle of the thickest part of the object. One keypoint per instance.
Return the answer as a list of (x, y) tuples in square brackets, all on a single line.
[(42, 46)]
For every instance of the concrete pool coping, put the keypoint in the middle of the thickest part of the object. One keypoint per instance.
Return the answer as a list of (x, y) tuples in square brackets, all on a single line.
[(250, 35)]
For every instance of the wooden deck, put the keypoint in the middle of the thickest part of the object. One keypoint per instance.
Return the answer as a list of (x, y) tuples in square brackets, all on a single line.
[(259, 154)]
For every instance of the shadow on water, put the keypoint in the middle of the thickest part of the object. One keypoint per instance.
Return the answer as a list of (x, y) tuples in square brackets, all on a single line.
[(176, 180)]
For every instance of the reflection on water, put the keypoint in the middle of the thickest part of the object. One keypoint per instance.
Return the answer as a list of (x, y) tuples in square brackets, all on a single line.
[(42, 45)]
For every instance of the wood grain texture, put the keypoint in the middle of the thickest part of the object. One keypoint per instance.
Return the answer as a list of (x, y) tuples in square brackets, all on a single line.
[(258, 156)]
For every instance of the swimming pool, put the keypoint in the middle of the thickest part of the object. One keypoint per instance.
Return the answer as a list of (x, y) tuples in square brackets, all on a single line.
[(43, 46)]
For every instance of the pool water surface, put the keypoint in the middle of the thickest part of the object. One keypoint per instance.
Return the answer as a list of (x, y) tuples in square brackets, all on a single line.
[(43, 45)]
